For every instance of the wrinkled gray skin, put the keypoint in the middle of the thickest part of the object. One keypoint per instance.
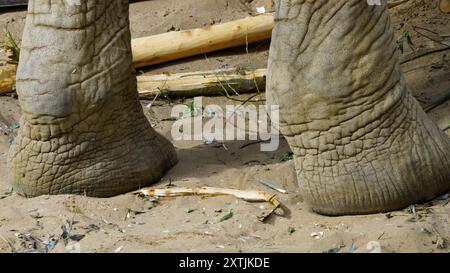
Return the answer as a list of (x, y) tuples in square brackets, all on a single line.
[(362, 143), (83, 130)]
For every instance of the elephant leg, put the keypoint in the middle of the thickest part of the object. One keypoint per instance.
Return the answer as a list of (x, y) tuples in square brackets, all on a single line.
[(83, 130), (362, 143)]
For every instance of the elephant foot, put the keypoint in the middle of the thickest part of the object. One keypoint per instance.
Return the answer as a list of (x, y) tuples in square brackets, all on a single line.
[(396, 160), (102, 155), (362, 143), (83, 130)]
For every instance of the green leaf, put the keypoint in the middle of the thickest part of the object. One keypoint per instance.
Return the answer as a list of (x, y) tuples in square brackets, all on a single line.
[(291, 230), (14, 125), (227, 216), (12, 44), (334, 249), (188, 210), (5, 194), (408, 39), (412, 209), (191, 108), (135, 212), (352, 248), (286, 157)]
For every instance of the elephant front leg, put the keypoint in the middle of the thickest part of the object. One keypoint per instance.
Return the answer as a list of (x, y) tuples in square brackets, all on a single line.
[(362, 143), (83, 130)]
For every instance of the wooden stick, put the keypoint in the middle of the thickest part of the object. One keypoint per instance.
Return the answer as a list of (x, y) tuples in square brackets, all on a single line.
[(203, 83), (422, 53), (180, 44), (393, 4), (249, 195), (437, 101)]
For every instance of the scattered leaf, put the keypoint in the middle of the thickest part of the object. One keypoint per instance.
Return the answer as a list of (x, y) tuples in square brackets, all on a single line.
[(291, 230), (285, 157), (352, 248), (14, 126), (334, 249), (188, 210), (412, 209), (169, 119), (424, 230), (50, 243), (5, 194), (317, 235), (132, 213), (408, 39), (227, 216), (76, 237), (441, 243), (91, 227), (445, 197), (271, 184), (67, 232), (36, 215), (405, 38)]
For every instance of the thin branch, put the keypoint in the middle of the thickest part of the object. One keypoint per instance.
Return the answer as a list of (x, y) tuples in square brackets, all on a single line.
[(423, 53)]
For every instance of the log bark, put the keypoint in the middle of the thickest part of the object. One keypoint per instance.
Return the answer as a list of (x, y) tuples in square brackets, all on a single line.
[(203, 83)]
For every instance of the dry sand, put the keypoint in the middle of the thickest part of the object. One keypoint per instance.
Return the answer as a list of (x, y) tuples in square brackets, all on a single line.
[(165, 227)]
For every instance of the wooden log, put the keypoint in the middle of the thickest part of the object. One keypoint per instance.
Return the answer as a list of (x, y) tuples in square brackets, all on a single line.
[(180, 44), (203, 83), (7, 77)]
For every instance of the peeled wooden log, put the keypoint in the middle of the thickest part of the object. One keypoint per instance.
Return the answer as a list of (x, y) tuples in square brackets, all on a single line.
[(7, 77), (180, 44), (203, 83)]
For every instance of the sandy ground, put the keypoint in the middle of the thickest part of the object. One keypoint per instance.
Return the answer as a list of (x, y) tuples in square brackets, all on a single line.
[(129, 223)]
